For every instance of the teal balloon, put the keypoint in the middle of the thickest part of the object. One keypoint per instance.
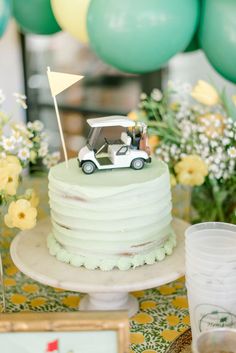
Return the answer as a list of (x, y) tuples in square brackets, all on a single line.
[(139, 36), (217, 36), (35, 16), (5, 11), (193, 45)]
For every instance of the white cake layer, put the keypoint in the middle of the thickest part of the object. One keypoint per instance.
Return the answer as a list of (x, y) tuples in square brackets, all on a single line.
[(115, 213)]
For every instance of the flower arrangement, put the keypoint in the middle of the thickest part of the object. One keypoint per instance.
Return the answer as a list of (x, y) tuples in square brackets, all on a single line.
[(193, 129), (20, 145)]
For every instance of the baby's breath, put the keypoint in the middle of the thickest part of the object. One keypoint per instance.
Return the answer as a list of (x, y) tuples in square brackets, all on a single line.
[(186, 127)]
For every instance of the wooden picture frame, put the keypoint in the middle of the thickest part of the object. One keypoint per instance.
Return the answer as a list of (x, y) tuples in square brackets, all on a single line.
[(51, 326)]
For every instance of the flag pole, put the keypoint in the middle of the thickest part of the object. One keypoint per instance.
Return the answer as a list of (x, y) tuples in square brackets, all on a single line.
[(3, 286), (60, 127)]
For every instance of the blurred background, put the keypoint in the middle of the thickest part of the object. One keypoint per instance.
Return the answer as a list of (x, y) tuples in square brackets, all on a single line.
[(105, 90)]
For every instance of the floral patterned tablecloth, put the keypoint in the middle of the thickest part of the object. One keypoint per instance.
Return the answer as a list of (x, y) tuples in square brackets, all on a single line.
[(163, 313)]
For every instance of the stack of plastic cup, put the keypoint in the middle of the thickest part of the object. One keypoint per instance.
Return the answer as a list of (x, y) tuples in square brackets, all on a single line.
[(211, 276)]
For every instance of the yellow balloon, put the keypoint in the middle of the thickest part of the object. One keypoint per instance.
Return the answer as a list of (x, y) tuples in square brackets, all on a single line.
[(71, 15)]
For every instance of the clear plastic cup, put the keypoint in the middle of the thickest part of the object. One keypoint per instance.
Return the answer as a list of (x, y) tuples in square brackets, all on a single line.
[(220, 270), (216, 341), (210, 258), (210, 229), (210, 268), (212, 238), (209, 309), (211, 283), (208, 291)]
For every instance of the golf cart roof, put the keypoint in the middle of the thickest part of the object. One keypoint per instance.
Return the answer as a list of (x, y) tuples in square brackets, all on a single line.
[(115, 120)]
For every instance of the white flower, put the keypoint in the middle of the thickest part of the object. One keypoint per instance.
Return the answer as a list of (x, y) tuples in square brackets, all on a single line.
[(213, 143), (8, 143), (36, 125), (232, 152), (229, 133), (2, 97), (226, 175), (51, 159), (143, 96), (226, 141), (43, 150), (219, 150), (24, 154), (17, 135), (2, 155), (20, 98), (156, 95), (27, 143), (203, 139)]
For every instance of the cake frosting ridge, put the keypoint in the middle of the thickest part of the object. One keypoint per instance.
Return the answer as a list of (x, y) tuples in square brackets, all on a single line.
[(112, 218)]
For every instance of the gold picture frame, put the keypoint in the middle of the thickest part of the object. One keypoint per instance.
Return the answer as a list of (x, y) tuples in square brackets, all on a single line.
[(89, 323)]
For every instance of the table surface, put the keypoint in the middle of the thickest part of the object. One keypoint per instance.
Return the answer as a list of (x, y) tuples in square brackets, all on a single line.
[(163, 313)]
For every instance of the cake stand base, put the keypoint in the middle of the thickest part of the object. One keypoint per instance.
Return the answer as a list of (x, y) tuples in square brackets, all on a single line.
[(108, 290), (110, 301)]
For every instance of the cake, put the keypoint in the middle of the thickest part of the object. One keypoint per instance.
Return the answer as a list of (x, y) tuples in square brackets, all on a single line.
[(110, 219)]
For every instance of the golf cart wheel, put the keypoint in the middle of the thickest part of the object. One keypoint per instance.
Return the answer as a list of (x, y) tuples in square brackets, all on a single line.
[(137, 163), (88, 167)]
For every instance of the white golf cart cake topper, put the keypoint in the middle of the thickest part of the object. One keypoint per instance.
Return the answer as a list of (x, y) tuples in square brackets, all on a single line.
[(130, 150)]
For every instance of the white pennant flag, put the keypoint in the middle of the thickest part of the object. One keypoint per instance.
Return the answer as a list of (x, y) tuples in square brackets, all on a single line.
[(59, 81)]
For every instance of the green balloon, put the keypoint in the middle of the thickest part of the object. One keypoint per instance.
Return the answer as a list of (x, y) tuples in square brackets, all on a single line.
[(5, 10), (140, 36), (217, 36), (35, 16), (193, 45)]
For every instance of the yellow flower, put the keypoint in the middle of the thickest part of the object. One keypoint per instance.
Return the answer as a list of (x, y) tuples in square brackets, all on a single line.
[(133, 115), (13, 163), (10, 168), (3, 177), (153, 142), (191, 170), (205, 93), (21, 215), (12, 184), (214, 124)]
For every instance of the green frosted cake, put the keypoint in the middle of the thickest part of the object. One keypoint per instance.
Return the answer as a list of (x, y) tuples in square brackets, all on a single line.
[(110, 219)]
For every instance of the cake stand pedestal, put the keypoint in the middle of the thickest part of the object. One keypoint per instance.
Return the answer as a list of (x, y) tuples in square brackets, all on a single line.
[(107, 290)]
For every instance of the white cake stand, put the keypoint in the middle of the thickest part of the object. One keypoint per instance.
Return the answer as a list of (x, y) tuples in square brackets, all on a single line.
[(106, 290)]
